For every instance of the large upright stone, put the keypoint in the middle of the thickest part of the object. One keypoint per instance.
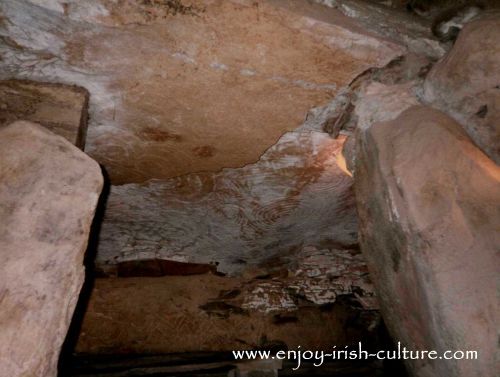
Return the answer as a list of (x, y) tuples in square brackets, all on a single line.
[(429, 207), (466, 83), (48, 194)]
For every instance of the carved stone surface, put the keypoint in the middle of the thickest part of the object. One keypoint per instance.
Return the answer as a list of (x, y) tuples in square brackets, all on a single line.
[(48, 193), (294, 195)]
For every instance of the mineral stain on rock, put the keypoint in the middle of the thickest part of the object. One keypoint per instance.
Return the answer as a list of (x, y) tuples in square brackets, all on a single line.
[(204, 151), (170, 7), (158, 135)]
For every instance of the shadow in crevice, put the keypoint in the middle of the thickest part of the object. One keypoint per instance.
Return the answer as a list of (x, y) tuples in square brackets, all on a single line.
[(66, 355), (391, 367)]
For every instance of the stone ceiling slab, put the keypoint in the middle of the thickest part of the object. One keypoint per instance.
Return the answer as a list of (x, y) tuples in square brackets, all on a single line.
[(195, 91)]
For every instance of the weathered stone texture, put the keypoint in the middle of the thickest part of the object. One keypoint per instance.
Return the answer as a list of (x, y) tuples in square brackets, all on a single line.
[(173, 94), (466, 83), (295, 195), (428, 203), (206, 313), (48, 193), (395, 24), (377, 102), (60, 108)]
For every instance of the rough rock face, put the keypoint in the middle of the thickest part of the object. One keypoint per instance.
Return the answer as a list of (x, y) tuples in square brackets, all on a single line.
[(48, 194), (377, 102), (429, 219), (294, 206), (396, 24), (60, 108), (466, 83), (176, 92), (208, 313), (194, 114), (295, 195), (316, 276)]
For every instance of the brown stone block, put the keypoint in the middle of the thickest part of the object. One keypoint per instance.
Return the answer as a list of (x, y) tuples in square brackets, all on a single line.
[(60, 108)]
